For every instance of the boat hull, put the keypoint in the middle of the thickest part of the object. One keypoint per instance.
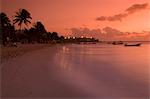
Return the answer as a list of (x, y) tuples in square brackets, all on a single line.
[(132, 44)]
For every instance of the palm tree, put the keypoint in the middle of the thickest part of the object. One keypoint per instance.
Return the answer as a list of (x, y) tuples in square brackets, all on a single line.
[(23, 16), (4, 20), (5, 28)]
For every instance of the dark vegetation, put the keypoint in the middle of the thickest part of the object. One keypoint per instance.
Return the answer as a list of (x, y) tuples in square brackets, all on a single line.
[(12, 32)]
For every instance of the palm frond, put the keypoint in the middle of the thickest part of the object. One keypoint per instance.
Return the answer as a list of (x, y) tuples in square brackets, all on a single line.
[(22, 16)]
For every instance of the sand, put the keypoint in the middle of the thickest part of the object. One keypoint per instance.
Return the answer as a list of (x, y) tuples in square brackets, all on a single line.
[(11, 52)]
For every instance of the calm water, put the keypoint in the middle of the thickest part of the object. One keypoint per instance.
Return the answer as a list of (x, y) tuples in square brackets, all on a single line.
[(106, 70), (79, 71)]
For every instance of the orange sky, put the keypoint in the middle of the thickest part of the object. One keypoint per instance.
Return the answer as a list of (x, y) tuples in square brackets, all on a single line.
[(62, 15)]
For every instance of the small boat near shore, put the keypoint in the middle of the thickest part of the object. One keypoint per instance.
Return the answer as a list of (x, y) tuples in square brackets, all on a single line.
[(132, 44)]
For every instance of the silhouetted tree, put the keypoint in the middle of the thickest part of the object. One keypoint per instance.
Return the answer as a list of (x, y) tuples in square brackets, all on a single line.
[(62, 37), (4, 21), (37, 33), (23, 16), (7, 30), (54, 36), (49, 35), (40, 31), (32, 35)]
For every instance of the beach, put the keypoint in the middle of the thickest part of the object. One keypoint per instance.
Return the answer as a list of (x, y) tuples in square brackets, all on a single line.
[(75, 49), (11, 52), (72, 71)]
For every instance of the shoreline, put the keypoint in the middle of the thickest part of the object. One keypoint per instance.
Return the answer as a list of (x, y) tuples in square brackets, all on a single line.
[(7, 53)]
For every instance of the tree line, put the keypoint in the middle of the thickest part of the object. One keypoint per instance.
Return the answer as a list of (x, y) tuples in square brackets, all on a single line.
[(35, 34)]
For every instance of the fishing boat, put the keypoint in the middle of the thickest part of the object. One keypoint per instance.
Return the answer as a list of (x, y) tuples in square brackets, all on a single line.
[(132, 44)]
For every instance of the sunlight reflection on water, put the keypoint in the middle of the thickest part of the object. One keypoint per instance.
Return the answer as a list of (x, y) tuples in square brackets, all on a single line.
[(87, 54), (110, 67)]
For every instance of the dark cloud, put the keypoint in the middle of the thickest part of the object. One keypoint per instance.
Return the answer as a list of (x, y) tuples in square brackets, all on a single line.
[(136, 7), (101, 18), (118, 17)]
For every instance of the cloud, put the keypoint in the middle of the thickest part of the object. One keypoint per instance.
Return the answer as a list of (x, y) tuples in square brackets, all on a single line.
[(101, 18), (118, 17), (110, 34), (136, 7), (78, 32)]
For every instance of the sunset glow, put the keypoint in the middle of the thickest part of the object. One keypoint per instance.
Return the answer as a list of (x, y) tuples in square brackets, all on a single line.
[(63, 15), (75, 49)]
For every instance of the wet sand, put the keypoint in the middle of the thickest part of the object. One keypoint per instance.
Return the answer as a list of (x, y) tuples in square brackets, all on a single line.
[(11, 52), (77, 72)]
